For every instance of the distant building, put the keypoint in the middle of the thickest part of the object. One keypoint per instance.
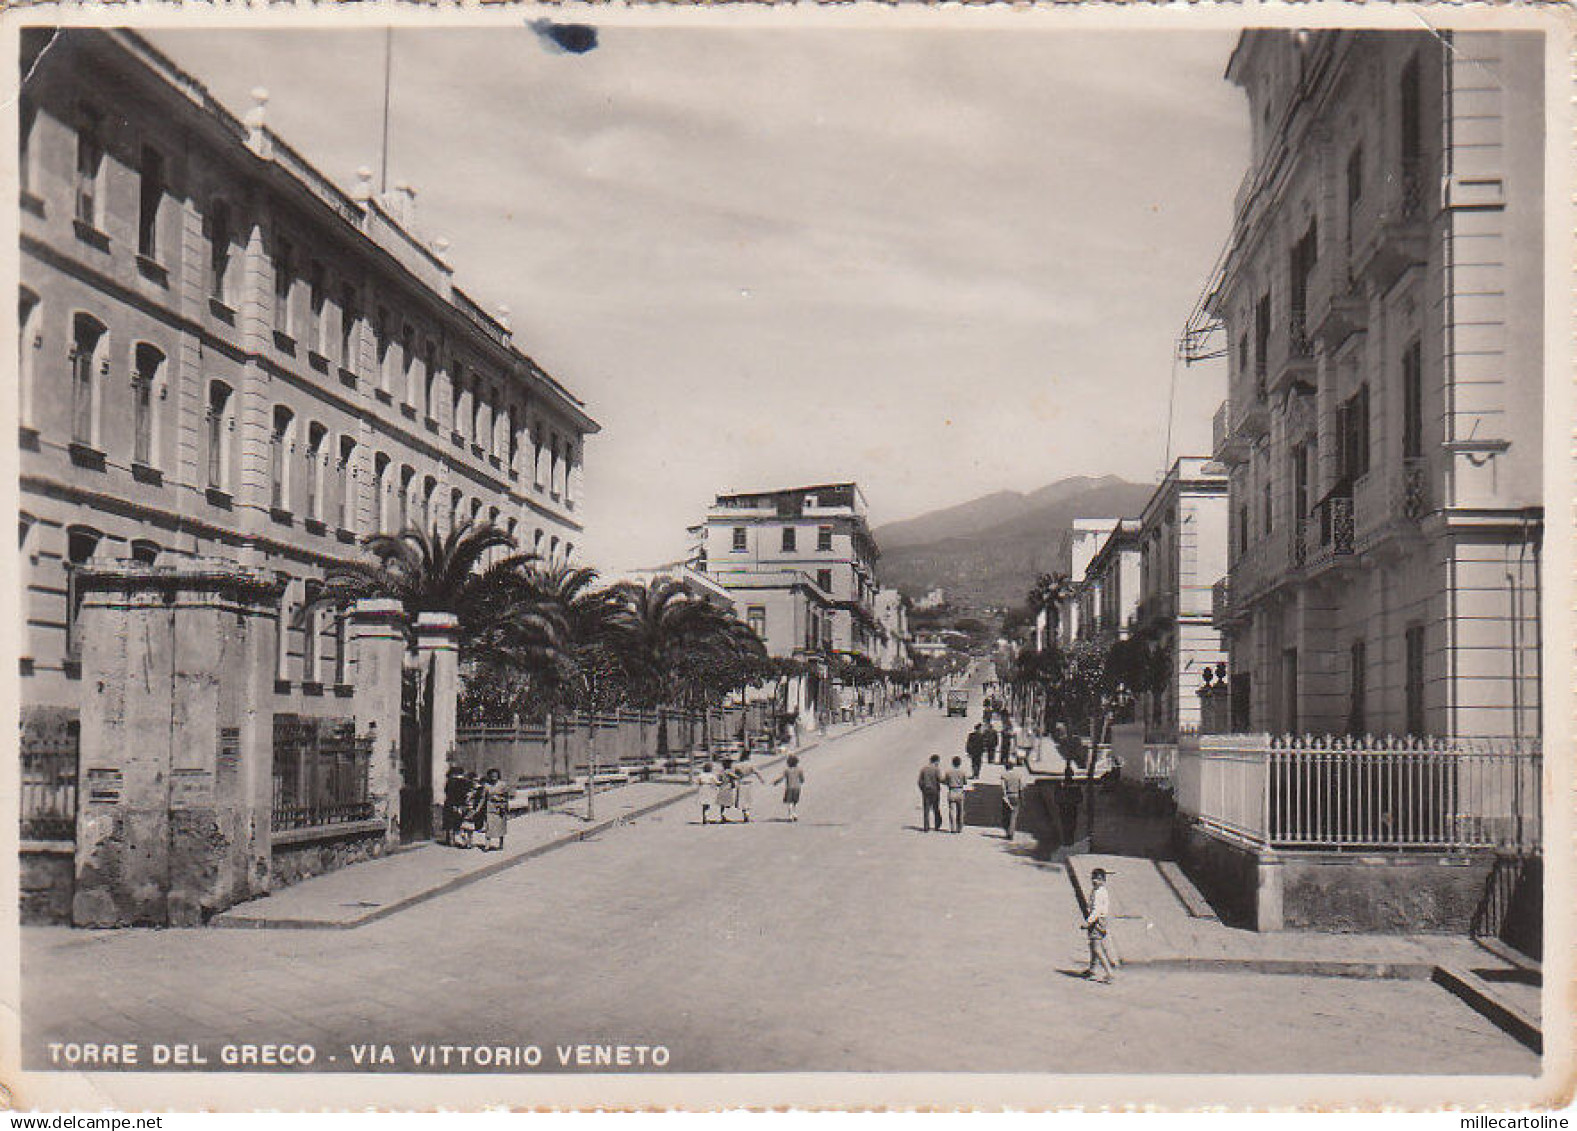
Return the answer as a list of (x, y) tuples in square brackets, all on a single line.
[(1109, 592), (1383, 306), (892, 612), (1182, 554), (695, 583), (1085, 538), (934, 599)]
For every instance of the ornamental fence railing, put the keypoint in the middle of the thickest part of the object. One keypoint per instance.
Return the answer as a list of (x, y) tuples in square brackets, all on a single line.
[(1402, 794)]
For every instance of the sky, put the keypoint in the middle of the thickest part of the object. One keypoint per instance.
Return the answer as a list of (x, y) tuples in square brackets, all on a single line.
[(940, 262)]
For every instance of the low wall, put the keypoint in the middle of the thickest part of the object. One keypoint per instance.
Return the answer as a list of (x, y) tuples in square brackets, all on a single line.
[(1383, 893), (292, 862), (48, 882)]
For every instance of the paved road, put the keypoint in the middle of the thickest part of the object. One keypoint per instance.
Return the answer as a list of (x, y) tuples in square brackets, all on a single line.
[(848, 941)]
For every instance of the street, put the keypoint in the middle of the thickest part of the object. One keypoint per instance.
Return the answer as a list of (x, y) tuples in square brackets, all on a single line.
[(849, 941)]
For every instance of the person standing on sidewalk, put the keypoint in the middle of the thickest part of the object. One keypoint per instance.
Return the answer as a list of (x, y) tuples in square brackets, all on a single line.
[(745, 778), (957, 787), (495, 801), (708, 792), (1095, 927), (988, 739), (931, 793), (1005, 741), (793, 779), (1014, 779), (975, 747)]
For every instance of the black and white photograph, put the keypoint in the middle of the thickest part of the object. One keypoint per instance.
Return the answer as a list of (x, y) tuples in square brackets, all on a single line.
[(967, 556)]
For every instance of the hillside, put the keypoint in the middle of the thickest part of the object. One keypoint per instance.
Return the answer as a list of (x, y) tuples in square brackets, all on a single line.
[(987, 552)]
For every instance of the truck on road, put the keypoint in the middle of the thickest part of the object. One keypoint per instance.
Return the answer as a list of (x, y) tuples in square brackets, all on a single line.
[(958, 703)]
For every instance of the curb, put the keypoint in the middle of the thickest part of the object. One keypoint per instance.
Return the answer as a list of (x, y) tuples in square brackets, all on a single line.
[(1481, 996), (240, 924)]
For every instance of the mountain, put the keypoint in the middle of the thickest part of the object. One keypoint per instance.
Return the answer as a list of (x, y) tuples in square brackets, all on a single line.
[(987, 552)]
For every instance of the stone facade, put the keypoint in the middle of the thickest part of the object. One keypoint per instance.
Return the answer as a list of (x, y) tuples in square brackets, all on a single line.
[(1382, 308)]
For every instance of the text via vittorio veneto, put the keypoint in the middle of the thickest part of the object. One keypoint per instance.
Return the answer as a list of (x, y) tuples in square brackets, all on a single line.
[(403, 1057)]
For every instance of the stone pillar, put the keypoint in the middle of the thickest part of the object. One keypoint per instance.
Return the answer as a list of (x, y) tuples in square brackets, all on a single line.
[(378, 629), (176, 741), (1215, 709), (438, 652)]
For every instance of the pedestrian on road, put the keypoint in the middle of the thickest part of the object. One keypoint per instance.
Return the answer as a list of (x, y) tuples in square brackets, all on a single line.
[(1095, 927), (495, 796), (708, 792), (727, 790), (975, 747), (989, 738), (793, 779), (1005, 741), (957, 786), (1067, 805), (745, 777), (931, 793), (1014, 779)]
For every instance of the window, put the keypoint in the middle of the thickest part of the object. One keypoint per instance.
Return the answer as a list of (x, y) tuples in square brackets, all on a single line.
[(380, 493), (219, 250), (1412, 401), (347, 326), (317, 298), (1353, 425), (27, 118), (514, 438), (150, 197), (1243, 352), (311, 643), (82, 542), (569, 550), (282, 633), (283, 283), (279, 445), (824, 580), (1415, 680), (1242, 528), (756, 618), (1354, 177), (457, 388), (90, 167), (146, 364), (456, 502), (407, 485), (1261, 341), (27, 347), (790, 538), (739, 539), (1300, 482), (87, 351), (824, 539), (408, 364), (430, 377), (429, 495), (341, 649), (1289, 690), (317, 455), (347, 483), (381, 342), (479, 423), (1268, 508), (1356, 675), (217, 429), (553, 477), (536, 542), (536, 456), (144, 552)]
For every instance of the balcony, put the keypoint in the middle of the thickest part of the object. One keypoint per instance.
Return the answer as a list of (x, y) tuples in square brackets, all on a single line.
[(1295, 368), (1333, 519), (1251, 417), (1227, 445), (1395, 236), (1339, 315), (1222, 614), (1391, 501)]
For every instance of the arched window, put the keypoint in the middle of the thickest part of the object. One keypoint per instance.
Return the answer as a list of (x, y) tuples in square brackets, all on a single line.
[(380, 493), (87, 362), (430, 376), (537, 461), (27, 344), (429, 491), (569, 550), (536, 542), (553, 466), (347, 483), (514, 441), (217, 433), (381, 343), (82, 542), (146, 374), (281, 440), (408, 365), (312, 634), (553, 549), (407, 485), (457, 420), (144, 552), (510, 527), (90, 167), (456, 502), (347, 327), (317, 457), (492, 516)]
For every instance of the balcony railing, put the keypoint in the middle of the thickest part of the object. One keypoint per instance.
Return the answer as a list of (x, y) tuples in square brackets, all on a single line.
[(1221, 614), (1335, 517)]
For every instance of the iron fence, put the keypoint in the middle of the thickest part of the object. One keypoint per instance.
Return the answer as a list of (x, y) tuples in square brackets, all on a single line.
[(320, 772), (50, 753)]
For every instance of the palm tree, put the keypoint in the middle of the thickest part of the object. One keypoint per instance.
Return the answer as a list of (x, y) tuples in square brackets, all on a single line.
[(1047, 595), (590, 668)]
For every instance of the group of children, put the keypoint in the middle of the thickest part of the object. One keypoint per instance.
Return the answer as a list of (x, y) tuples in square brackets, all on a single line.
[(732, 786), (475, 805)]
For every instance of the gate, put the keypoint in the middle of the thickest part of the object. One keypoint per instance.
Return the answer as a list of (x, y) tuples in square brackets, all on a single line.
[(416, 761), (50, 740)]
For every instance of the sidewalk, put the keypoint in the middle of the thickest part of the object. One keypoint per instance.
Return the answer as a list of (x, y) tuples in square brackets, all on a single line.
[(366, 892), (1159, 919)]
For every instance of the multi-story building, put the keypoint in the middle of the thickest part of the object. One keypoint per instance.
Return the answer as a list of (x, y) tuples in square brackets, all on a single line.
[(222, 354), (1382, 305), (802, 564), (1085, 538), (1182, 554), (892, 612), (1109, 591)]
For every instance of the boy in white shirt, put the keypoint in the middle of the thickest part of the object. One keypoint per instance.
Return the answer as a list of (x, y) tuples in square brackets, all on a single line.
[(1095, 927)]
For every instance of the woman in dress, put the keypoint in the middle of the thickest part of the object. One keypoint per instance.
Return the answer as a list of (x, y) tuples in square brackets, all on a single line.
[(495, 800), (745, 777), (793, 780), (727, 790), (708, 792)]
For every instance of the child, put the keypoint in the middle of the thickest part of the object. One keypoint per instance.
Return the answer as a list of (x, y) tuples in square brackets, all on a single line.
[(745, 777), (726, 790), (708, 792), (793, 779), (1095, 927)]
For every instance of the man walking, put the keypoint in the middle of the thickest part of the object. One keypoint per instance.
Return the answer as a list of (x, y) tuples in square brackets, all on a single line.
[(1014, 779), (975, 747), (989, 738), (931, 792)]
